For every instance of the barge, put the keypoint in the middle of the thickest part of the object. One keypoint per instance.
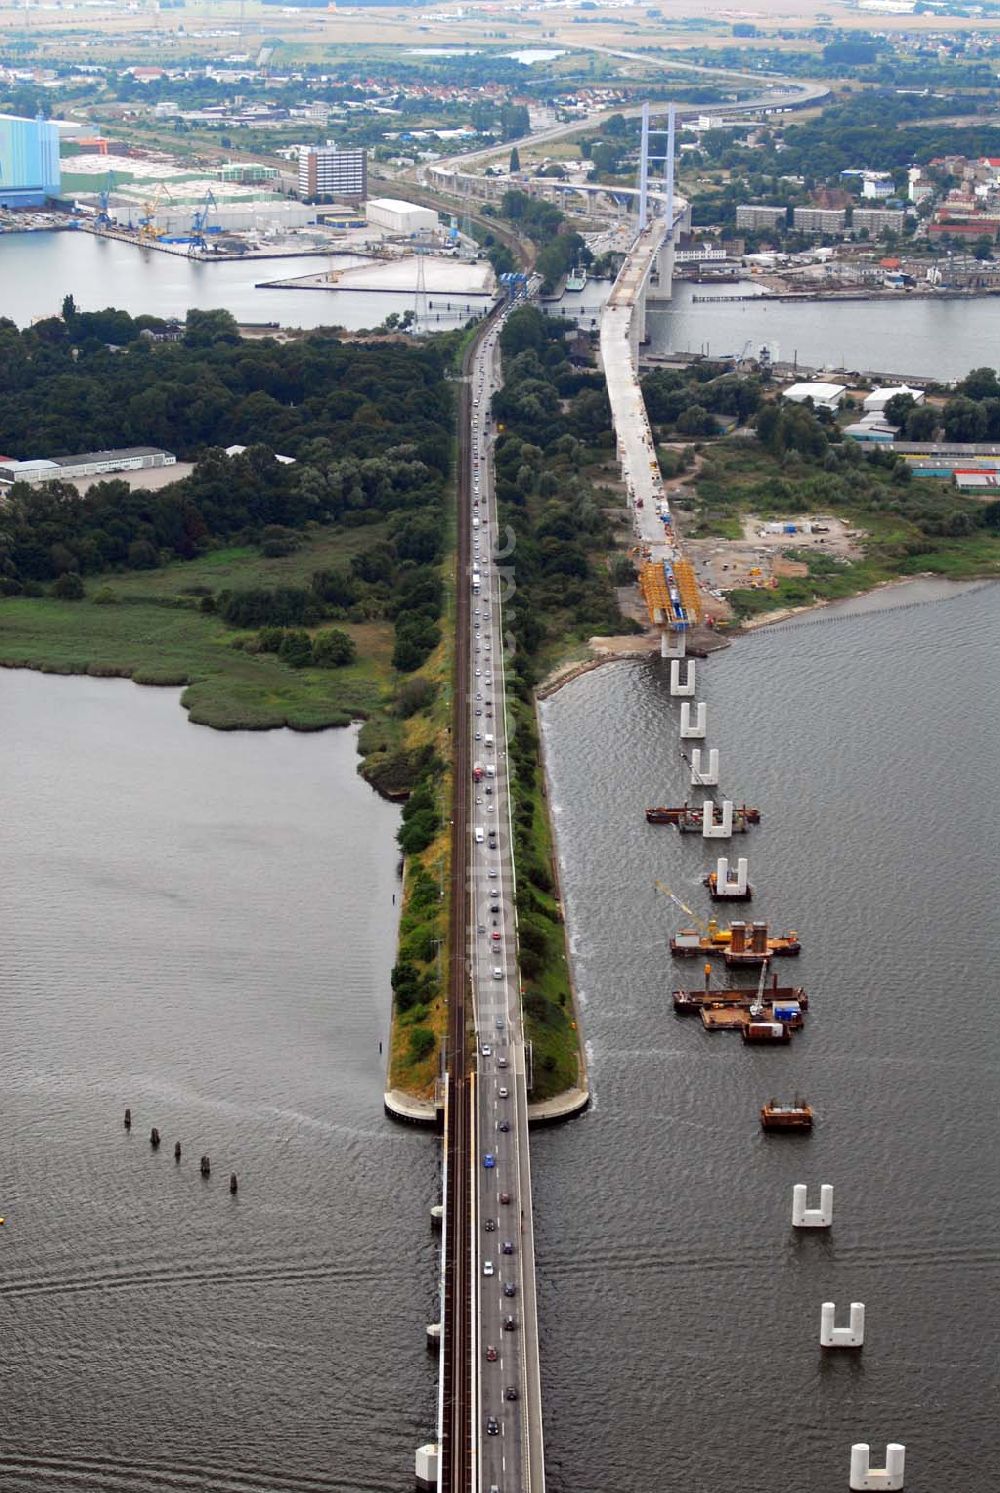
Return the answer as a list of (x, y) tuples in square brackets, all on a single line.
[(796, 1116), (741, 945), (687, 817), (711, 880)]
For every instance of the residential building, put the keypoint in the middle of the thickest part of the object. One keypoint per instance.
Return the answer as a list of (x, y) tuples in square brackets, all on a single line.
[(326, 172), (973, 227), (752, 216), (29, 161), (820, 219), (875, 219), (877, 185)]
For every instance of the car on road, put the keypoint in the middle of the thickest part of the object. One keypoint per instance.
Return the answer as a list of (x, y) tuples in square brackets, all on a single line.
[(504, 1125), (510, 1393), (491, 1354), (509, 1323), (496, 937), (488, 1267), (503, 1093), (493, 871), (486, 1050), (505, 1197), (507, 1247), (501, 1062), (509, 1289), (490, 1225), (492, 1426), (489, 1161), (497, 972)]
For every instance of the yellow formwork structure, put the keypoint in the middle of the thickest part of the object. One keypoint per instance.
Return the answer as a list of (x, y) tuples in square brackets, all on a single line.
[(688, 587), (653, 585)]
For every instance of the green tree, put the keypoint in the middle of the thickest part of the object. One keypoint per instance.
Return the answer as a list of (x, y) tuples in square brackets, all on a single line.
[(515, 161), (296, 649), (68, 586), (333, 649)]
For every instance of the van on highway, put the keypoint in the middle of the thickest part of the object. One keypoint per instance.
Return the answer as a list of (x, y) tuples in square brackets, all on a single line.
[(488, 742), (491, 771), (479, 835)]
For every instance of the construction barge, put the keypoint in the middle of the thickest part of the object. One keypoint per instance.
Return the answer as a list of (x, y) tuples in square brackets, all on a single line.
[(711, 880), (741, 945), (797, 1116), (688, 817), (747, 1011)]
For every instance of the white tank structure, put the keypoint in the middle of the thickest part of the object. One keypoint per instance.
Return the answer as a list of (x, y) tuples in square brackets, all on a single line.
[(673, 645), (426, 1467), (696, 728), (709, 829), (804, 1217), (704, 777), (731, 883), (887, 1479), (676, 687), (832, 1336)]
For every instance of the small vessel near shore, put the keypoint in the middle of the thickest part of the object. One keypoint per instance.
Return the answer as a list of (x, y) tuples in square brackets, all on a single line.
[(688, 817), (795, 1116), (577, 277)]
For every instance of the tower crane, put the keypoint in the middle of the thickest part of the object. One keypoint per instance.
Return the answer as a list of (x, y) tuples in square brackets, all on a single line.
[(103, 219), (147, 221)]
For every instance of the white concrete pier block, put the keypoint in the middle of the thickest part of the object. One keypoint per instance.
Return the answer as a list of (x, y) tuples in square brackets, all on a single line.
[(812, 1218), (731, 883), (694, 730), (887, 1479), (709, 829), (673, 644), (704, 777), (832, 1336), (676, 687), (426, 1466)]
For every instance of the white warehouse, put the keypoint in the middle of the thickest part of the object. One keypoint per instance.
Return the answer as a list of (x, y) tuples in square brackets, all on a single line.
[(401, 217)]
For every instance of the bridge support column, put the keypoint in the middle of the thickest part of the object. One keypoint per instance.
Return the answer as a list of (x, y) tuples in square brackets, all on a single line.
[(709, 829), (661, 283), (831, 1336), (694, 730), (731, 883), (673, 644), (676, 687), (426, 1467), (812, 1218), (865, 1477), (707, 776)]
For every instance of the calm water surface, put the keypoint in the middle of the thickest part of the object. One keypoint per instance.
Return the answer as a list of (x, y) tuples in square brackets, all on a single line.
[(680, 1313), (200, 925), (38, 269)]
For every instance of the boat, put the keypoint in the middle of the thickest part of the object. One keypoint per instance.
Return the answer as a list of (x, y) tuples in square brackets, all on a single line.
[(689, 1002), (687, 817), (577, 277), (740, 944), (795, 1116)]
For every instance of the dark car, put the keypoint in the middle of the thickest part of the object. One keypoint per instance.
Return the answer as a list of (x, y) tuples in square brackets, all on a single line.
[(510, 1393), (492, 1426), (490, 1225), (509, 1288), (505, 1197), (504, 1125), (491, 1354), (507, 1248), (509, 1323)]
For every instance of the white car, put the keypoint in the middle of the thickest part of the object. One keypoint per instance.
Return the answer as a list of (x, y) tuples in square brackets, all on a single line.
[(497, 972), (488, 1267)]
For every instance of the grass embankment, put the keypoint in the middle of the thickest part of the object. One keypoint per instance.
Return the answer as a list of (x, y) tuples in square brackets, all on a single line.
[(546, 995), (902, 522), (155, 632)]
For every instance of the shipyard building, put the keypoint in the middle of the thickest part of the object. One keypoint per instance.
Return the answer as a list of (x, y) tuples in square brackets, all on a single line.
[(29, 161)]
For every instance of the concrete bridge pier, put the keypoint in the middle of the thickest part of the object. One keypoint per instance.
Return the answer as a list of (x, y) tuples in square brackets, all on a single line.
[(804, 1217), (832, 1336), (887, 1479), (694, 729), (661, 281), (707, 776), (673, 644), (687, 687), (709, 829), (426, 1467)]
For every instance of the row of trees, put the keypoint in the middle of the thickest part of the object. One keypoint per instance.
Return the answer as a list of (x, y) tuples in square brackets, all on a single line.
[(557, 249)]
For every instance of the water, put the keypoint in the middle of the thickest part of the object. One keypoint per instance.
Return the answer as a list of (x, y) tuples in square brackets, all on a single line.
[(38, 269), (201, 926), (929, 338), (680, 1314)]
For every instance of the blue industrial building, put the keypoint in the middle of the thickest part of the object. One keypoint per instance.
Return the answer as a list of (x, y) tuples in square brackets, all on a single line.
[(29, 161)]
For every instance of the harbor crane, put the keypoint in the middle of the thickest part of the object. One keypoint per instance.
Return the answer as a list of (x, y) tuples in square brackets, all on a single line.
[(199, 222), (147, 220), (103, 219)]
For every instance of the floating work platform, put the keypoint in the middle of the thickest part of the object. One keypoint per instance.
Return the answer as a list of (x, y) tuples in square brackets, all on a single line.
[(687, 817), (796, 1116), (740, 945), (784, 997), (711, 880)]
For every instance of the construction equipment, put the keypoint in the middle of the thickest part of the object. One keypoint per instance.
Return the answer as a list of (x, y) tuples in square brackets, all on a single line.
[(199, 222), (103, 219), (147, 220)]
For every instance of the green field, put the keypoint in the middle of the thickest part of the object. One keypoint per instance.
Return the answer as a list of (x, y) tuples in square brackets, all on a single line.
[(155, 633)]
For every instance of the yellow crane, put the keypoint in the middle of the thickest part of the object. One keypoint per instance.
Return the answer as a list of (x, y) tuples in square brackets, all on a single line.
[(147, 222), (710, 929)]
